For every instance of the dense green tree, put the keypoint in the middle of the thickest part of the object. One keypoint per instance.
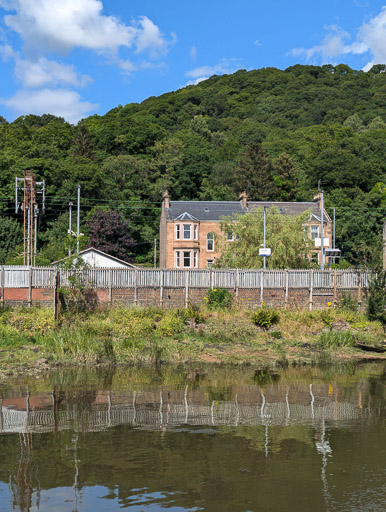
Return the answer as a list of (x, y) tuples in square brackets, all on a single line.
[(11, 235), (284, 236)]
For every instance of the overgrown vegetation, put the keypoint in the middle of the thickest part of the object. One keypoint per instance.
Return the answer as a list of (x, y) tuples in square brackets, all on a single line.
[(219, 298), (154, 335), (273, 132)]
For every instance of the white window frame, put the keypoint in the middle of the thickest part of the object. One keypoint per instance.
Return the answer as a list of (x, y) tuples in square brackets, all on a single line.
[(183, 259), (195, 231), (208, 240), (314, 257), (209, 263), (178, 232), (195, 259), (177, 259), (183, 231), (313, 234)]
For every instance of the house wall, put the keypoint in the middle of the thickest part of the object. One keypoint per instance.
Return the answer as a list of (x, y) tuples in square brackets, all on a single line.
[(170, 244)]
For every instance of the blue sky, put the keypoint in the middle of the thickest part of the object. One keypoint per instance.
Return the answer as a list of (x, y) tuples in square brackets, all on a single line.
[(74, 58)]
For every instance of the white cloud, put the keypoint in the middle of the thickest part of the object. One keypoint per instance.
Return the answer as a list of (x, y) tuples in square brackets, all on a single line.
[(60, 25), (225, 66), (42, 72), (193, 52), (370, 39), (257, 42), (59, 102)]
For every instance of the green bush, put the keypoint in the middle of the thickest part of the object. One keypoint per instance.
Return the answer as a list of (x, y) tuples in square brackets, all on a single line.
[(265, 317), (170, 324), (348, 302), (334, 339), (219, 298)]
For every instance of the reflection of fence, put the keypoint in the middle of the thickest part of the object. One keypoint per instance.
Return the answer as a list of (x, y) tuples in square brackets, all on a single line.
[(42, 277), (171, 415)]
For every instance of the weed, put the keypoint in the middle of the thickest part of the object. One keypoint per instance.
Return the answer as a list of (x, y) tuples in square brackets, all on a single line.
[(335, 339), (265, 317), (219, 298)]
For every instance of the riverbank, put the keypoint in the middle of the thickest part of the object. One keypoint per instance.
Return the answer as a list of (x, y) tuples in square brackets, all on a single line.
[(31, 341)]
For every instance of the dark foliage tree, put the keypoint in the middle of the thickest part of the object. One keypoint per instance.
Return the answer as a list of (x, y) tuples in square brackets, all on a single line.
[(255, 173), (11, 235), (285, 177), (109, 232)]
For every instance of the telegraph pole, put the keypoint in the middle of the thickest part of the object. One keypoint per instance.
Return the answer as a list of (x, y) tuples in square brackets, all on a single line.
[(78, 223), (155, 252), (265, 221), (31, 188), (70, 205), (321, 227)]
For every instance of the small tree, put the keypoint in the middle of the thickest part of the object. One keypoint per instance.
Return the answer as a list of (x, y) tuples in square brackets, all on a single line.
[(284, 235), (109, 232)]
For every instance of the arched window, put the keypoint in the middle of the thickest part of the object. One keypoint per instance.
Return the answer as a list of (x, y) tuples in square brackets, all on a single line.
[(210, 241)]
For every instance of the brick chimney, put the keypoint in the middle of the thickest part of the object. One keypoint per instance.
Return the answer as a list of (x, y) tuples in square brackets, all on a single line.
[(165, 199), (244, 199)]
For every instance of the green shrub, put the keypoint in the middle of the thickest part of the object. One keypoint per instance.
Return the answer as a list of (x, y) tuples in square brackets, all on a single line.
[(170, 324), (348, 302), (335, 339), (265, 317), (219, 298)]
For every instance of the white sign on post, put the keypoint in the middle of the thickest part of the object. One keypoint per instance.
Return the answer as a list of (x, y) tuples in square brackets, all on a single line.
[(264, 252), (318, 242)]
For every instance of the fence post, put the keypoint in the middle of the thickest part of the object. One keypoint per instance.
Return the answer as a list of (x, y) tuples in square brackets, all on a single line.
[(56, 296), (29, 286), (110, 286), (311, 287), (286, 288), (237, 283), (335, 288), (136, 287), (261, 286), (211, 279), (2, 285), (359, 291), (186, 289), (161, 288)]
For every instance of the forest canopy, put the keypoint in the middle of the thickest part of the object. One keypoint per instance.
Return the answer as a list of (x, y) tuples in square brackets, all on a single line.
[(274, 132)]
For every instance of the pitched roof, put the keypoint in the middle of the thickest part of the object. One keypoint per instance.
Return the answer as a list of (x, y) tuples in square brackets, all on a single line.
[(89, 249), (214, 210)]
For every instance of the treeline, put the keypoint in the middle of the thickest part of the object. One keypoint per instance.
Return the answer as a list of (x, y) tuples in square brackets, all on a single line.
[(274, 133)]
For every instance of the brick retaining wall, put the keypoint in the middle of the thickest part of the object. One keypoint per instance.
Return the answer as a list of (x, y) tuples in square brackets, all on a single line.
[(176, 297)]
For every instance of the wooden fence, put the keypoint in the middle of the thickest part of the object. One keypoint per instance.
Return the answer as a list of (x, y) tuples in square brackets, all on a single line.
[(108, 278)]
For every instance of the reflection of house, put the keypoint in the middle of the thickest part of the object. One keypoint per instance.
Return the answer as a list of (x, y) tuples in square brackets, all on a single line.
[(188, 228), (99, 259)]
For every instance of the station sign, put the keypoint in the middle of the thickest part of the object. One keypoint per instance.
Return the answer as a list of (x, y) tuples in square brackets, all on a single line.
[(265, 252)]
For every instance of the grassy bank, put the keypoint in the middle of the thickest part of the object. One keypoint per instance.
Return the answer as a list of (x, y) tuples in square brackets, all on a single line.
[(30, 338)]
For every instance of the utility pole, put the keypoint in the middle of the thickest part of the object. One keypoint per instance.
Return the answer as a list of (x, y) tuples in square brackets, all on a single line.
[(333, 231), (321, 226), (36, 213), (31, 188), (155, 253), (265, 221), (70, 205), (78, 223)]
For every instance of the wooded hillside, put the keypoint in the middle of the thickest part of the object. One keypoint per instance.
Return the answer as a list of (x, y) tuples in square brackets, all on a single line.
[(272, 132)]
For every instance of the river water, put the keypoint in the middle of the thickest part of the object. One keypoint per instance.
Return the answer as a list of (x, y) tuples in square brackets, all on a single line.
[(195, 439)]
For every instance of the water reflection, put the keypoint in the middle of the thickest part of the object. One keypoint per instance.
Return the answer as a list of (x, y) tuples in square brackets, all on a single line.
[(218, 439)]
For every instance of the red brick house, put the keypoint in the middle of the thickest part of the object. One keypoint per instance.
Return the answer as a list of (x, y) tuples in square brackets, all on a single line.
[(188, 228)]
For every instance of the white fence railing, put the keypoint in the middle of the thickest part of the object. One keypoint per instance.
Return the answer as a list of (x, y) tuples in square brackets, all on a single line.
[(44, 277)]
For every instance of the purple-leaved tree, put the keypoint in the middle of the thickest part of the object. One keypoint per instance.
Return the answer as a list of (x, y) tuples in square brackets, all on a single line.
[(109, 232)]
